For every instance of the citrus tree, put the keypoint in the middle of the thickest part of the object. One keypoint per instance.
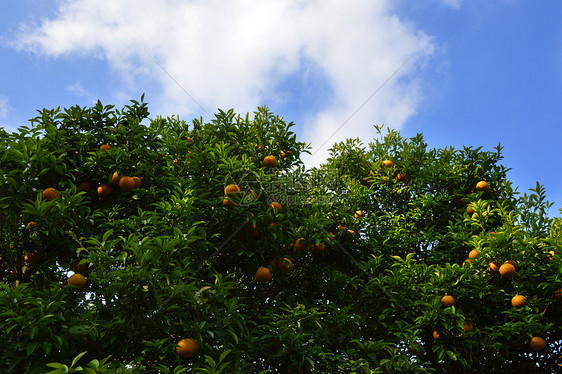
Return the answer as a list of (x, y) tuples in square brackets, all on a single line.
[(131, 244)]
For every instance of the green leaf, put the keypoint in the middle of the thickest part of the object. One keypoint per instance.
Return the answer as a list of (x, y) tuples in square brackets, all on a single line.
[(57, 365), (78, 358), (30, 348)]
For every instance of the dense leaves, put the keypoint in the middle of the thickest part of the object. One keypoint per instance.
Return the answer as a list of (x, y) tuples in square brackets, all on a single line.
[(173, 257)]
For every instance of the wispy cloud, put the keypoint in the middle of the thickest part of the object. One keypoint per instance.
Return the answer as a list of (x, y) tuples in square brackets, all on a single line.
[(453, 3), (239, 54), (4, 107), (78, 90)]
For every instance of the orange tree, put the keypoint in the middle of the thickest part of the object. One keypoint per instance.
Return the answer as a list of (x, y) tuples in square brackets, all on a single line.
[(131, 244)]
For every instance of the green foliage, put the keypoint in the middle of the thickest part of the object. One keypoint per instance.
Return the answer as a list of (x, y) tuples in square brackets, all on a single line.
[(175, 258)]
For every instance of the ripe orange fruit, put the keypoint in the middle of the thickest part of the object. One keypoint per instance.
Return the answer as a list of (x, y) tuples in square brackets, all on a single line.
[(507, 270), (190, 140), (187, 348), (470, 211), (558, 294), (138, 182), (77, 280), (435, 335), (467, 326), (387, 164), (50, 193), (270, 161), (263, 274), (400, 177), (359, 213), (317, 248), (275, 206), (493, 267), (537, 343), (448, 301), (105, 147), (32, 258), (229, 203), (285, 266), (467, 262), (115, 179), (105, 191), (86, 186), (482, 186), (473, 253), (231, 190), (31, 223), (126, 183), (518, 301), (512, 263), (300, 244)]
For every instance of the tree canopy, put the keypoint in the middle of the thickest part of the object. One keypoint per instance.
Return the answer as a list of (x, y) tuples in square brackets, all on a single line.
[(133, 244)]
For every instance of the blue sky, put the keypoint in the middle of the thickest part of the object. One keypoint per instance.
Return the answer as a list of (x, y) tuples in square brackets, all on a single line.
[(475, 73)]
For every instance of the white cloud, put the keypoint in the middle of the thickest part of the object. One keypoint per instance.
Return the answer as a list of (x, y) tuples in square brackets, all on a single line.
[(237, 53), (4, 107), (78, 90), (453, 3)]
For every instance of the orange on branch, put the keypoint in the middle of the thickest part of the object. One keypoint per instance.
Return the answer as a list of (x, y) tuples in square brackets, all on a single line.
[(285, 266), (482, 186), (473, 253), (126, 183), (115, 179), (387, 164), (138, 182), (537, 344), (77, 280), (275, 206), (105, 190), (300, 244), (493, 267), (507, 270), (232, 190), (518, 301), (263, 274), (448, 301), (229, 203), (359, 213), (50, 193), (105, 147), (270, 161), (187, 348), (467, 326)]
